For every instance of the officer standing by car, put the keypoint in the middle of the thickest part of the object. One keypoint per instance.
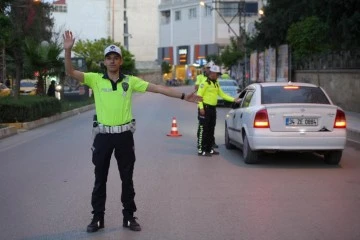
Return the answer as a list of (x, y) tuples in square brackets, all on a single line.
[(200, 79), (114, 127), (209, 91)]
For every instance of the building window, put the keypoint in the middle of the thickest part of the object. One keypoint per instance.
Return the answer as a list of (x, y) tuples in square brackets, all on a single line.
[(165, 17), (208, 11), (192, 13), (231, 9), (59, 8), (177, 15)]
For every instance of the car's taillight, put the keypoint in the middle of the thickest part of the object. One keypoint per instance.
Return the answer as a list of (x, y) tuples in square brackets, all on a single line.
[(261, 119), (340, 120)]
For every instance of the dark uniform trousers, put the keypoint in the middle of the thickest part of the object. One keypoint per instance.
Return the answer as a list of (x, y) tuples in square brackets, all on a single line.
[(103, 147), (200, 131), (207, 128)]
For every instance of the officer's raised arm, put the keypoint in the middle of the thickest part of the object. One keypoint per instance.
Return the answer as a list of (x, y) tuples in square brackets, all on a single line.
[(69, 41), (192, 97)]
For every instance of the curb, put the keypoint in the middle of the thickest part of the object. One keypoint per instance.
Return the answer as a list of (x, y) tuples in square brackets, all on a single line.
[(353, 135), (13, 128), (7, 132)]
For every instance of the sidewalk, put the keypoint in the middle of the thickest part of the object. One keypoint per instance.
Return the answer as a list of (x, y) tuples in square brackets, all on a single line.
[(12, 130), (353, 126), (352, 119)]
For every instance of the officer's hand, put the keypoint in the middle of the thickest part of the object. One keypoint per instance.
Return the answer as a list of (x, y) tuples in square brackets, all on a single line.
[(193, 97), (237, 100), (202, 112), (68, 40)]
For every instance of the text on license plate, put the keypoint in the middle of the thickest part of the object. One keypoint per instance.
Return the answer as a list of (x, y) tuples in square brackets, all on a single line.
[(291, 121)]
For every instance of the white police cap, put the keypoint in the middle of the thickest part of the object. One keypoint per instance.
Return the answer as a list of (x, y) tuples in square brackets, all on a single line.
[(215, 68), (112, 49)]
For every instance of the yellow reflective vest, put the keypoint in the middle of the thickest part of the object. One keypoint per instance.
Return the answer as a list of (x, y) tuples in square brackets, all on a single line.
[(209, 91), (200, 79)]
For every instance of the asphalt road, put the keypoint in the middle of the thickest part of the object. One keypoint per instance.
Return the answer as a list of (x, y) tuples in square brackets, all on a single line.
[(46, 179)]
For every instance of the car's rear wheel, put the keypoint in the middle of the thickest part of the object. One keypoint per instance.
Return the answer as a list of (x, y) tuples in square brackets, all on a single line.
[(333, 157), (250, 156), (228, 145)]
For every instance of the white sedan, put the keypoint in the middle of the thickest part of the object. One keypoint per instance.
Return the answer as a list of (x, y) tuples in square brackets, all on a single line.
[(286, 117)]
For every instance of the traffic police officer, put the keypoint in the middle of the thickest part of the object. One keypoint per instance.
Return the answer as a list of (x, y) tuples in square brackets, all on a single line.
[(209, 91), (199, 80), (113, 128), (202, 77)]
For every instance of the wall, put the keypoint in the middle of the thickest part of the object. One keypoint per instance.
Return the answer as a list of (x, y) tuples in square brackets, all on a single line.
[(152, 76), (343, 86)]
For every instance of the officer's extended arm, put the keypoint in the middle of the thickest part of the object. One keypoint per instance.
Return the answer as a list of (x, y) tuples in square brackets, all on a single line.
[(69, 69), (192, 97)]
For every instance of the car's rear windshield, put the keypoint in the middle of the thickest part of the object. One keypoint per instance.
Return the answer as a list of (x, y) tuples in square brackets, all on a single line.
[(301, 94)]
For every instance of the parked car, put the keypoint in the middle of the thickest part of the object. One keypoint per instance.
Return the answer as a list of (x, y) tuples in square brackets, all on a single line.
[(286, 117), (4, 90), (230, 87), (28, 87)]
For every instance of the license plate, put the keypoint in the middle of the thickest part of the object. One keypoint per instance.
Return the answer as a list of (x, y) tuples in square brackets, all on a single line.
[(301, 121)]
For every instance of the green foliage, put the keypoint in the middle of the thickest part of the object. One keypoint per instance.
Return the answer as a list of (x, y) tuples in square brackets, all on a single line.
[(341, 18), (28, 108), (231, 54), (215, 58), (165, 67), (29, 20), (43, 57), (308, 37), (93, 52)]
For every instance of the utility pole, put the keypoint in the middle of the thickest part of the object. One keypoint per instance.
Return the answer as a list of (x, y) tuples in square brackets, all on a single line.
[(242, 37)]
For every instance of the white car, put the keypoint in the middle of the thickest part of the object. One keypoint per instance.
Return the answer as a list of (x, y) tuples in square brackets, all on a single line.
[(286, 117)]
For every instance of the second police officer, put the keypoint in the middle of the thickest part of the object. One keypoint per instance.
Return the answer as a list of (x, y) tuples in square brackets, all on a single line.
[(209, 90)]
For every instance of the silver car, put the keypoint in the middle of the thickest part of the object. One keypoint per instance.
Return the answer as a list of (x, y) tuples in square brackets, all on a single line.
[(230, 87), (286, 117)]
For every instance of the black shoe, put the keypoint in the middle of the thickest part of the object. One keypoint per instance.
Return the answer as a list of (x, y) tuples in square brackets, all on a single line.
[(132, 224), (213, 152), (215, 145), (96, 223), (205, 154)]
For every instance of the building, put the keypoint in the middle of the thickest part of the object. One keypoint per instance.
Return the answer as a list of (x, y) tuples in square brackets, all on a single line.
[(190, 30), (132, 23)]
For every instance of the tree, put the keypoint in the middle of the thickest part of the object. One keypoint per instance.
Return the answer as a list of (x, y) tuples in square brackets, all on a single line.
[(231, 54), (342, 19), (93, 52), (165, 67), (308, 37), (44, 59), (29, 20)]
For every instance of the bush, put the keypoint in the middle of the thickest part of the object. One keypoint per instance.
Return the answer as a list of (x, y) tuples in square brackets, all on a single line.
[(28, 108)]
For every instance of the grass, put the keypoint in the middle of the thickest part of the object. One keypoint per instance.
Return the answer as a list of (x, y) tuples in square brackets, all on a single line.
[(67, 105)]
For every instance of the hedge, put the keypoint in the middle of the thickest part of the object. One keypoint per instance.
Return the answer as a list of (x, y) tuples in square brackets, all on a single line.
[(28, 108)]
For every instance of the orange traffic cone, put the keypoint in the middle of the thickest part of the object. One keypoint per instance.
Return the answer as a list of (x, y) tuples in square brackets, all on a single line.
[(174, 130)]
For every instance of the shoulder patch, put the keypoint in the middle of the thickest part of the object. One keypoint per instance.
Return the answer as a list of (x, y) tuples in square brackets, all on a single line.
[(201, 85)]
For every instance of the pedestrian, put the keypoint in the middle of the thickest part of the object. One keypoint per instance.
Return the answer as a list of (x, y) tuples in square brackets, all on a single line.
[(51, 89), (114, 127), (209, 91)]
